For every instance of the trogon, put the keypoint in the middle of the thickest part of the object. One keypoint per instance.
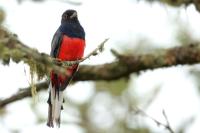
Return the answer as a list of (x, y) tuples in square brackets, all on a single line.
[(68, 44)]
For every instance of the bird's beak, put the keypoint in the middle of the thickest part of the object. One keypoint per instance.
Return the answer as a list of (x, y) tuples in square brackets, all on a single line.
[(73, 15)]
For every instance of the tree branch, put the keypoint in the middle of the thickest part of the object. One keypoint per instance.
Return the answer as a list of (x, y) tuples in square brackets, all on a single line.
[(22, 93), (123, 67), (10, 47)]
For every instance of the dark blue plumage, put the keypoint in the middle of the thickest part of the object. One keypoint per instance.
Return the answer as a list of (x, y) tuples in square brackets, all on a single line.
[(72, 30)]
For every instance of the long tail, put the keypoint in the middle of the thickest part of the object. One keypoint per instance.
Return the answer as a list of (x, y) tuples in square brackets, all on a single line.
[(55, 106), (56, 88)]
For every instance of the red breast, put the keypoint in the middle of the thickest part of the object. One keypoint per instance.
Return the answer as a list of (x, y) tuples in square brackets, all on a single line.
[(71, 48)]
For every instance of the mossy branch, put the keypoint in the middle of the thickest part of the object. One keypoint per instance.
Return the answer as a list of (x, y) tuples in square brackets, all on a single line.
[(123, 67), (12, 48)]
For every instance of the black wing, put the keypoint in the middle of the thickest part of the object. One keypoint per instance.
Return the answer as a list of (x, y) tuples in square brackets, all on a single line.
[(56, 43)]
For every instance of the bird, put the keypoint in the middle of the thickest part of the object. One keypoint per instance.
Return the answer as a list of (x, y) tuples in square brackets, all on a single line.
[(68, 44)]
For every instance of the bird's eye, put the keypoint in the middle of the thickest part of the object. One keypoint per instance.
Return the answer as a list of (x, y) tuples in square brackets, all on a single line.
[(64, 16)]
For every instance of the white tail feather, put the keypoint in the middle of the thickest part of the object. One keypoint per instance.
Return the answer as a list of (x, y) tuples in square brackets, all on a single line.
[(52, 90), (56, 102)]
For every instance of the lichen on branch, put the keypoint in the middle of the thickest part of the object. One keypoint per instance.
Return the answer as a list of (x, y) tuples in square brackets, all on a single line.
[(12, 48), (123, 66)]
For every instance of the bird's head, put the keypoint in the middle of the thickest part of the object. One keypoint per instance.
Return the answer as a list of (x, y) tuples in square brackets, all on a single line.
[(69, 15)]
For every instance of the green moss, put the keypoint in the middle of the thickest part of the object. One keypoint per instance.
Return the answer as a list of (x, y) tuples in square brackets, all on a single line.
[(17, 55), (6, 56), (41, 71), (33, 69)]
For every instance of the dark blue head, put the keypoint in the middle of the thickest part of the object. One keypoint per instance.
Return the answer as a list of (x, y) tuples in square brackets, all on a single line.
[(69, 16), (70, 25)]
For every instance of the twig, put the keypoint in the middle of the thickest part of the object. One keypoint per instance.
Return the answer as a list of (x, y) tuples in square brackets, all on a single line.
[(95, 51), (167, 125), (99, 48)]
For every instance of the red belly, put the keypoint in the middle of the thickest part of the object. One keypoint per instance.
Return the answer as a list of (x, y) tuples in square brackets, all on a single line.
[(71, 48)]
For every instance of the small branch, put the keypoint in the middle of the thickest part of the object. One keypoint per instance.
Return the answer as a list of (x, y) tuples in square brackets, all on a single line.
[(22, 93), (167, 125), (95, 51), (99, 49)]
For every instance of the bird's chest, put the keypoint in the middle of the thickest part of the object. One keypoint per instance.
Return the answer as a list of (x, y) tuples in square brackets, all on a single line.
[(71, 48)]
